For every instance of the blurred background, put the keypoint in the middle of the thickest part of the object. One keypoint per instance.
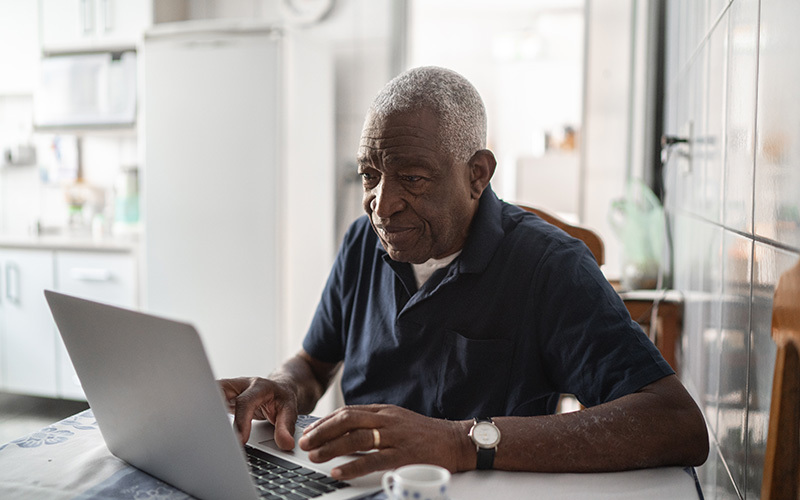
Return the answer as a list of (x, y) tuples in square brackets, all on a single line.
[(196, 159)]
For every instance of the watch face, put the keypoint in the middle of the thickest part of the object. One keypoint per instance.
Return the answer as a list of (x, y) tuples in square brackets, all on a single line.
[(486, 435)]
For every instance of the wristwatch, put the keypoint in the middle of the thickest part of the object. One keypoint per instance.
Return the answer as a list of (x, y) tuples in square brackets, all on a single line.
[(486, 437)]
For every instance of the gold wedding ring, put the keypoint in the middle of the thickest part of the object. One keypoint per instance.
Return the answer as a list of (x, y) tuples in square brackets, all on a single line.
[(376, 439)]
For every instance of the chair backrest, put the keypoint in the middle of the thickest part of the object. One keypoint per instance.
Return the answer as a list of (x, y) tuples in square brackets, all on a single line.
[(781, 463), (589, 237)]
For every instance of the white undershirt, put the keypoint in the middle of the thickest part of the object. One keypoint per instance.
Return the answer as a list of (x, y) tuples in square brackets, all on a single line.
[(424, 271)]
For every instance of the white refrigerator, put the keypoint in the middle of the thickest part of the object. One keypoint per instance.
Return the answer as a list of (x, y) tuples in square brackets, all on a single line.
[(237, 186)]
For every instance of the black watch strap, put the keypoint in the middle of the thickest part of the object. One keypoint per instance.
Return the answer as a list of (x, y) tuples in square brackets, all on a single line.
[(485, 458), (485, 455)]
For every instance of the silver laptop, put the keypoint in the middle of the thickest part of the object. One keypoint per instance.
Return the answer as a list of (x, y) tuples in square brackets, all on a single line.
[(159, 408)]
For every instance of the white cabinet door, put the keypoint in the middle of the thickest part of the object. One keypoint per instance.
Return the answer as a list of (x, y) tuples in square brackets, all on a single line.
[(121, 23), (66, 23), (27, 330), (101, 276), (93, 24)]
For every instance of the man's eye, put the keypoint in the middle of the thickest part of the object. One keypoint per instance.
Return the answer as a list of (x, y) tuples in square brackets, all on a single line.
[(368, 178), (412, 178)]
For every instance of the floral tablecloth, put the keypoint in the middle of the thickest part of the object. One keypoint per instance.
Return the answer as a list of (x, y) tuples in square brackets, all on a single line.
[(69, 459)]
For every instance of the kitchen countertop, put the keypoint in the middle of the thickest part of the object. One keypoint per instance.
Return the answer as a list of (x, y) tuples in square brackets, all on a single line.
[(120, 244)]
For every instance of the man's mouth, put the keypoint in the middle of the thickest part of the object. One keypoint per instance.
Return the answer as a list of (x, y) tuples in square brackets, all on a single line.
[(394, 234), (393, 229)]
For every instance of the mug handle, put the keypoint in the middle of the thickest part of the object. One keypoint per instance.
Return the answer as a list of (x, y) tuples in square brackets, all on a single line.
[(388, 482)]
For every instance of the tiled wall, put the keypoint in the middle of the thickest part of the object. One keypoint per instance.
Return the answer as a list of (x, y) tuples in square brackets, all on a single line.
[(733, 196)]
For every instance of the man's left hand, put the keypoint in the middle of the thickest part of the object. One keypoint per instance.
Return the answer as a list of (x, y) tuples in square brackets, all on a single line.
[(404, 437)]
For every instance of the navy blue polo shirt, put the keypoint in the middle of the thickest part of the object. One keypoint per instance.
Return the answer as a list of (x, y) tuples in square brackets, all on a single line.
[(521, 316)]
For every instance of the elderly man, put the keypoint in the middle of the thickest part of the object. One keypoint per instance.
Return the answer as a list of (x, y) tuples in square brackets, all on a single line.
[(460, 319)]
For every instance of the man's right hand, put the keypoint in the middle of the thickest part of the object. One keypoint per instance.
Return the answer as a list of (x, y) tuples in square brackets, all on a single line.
[(261, 398)]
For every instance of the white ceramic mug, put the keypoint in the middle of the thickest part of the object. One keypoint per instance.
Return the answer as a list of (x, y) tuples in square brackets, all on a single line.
[(417, 482)]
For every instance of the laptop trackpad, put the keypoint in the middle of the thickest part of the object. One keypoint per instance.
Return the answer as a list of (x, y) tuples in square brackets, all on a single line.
[(263, 432), (262, 436)]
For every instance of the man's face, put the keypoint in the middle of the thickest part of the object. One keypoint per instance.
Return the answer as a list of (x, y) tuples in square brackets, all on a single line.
[(418, 198)]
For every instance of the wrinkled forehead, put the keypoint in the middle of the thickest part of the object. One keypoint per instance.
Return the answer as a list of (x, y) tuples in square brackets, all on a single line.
[(415, 128)]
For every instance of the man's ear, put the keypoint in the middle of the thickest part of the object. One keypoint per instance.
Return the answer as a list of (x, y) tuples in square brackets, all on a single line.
[(481, 167)]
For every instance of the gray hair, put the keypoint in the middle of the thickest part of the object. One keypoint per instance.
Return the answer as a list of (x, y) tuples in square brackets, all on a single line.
[(453, 99)]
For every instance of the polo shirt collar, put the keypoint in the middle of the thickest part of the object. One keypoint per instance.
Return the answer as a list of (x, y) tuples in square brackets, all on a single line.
[(484, 237), (485, 234)]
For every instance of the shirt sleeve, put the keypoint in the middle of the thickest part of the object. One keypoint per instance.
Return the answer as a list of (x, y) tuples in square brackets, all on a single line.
[(591, 345), (326, 339)]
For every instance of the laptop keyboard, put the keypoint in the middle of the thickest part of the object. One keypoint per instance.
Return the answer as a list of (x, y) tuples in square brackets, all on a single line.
[(278, 479)]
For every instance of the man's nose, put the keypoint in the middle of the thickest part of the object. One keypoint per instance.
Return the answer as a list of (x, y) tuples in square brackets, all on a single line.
[(387, 201)]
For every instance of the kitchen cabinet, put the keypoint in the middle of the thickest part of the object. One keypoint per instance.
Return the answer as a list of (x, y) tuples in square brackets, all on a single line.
[(75, 25), (33, 359), (101, 276), (27, 331)]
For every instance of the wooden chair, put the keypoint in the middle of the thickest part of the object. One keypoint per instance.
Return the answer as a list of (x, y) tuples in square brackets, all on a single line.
[(781, 463), (589, 237)]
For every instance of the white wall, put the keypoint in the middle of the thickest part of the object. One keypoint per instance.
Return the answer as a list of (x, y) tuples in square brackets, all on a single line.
[(606, 119), (18, 64), (524, 58), (358, 34), (530, 88)]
